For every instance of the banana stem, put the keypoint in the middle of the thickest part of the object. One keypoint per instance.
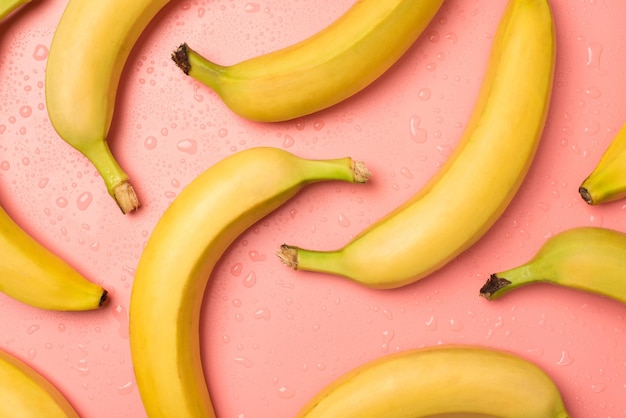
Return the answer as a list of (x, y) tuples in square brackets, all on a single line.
[(499, 284), (114, 177), (198, 67), (310, 260), (8, 6)]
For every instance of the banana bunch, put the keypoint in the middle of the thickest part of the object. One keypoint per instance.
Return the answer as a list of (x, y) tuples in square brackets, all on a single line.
[(607, 181), (440, 381), (590, 259), (320, 71), (88, 52), (32, 274), (477, 182), (179, 257), (8, 6), (26, 393)]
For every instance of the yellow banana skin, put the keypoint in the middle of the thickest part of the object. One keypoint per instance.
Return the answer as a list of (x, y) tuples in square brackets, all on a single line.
[(590, 259), (26, 393), (477, 182), (179, 257), (8, 6), (607, 181), (87, 55), (32, 274), (320, 71), (441, 381)]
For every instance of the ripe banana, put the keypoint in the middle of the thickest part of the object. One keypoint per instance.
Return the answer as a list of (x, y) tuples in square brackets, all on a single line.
[(320, 71), (8, 6), (441, 381), (32, 274), (590, 259), (477, 182), (179, 257), (607, 181), (26, 393), (87, 55)]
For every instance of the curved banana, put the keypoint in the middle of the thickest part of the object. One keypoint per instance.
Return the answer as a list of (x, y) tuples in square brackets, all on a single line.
[(590, 259), (87, 55), (8, 6), (441, 381), (26, 393), (320, 71), (34, 275), (179, 257), (607, 181), (477, 182)]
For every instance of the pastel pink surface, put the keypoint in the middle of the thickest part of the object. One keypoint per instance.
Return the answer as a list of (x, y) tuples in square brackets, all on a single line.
[(273, 337)]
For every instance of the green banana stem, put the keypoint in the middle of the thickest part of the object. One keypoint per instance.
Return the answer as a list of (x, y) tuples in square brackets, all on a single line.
[(500, 284), (198, 67), (8, 6)]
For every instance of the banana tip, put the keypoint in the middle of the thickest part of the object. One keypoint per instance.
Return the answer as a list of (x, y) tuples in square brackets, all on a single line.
[(103, 298), (288, 255), (181, 57), (126, 197), (493, 285), (361, 173), (584, 193)]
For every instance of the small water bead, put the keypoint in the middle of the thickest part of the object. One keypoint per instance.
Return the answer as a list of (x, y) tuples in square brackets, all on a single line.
[(126, 388), (388, 335), (62, 202), (32, 353), (565, 359), (40, 53), (343, 221), (84, 200), (236, 269), (424, 94), (244, 361), (256, 256), (150, 142), (252, 7), (594, 52), (32, 329), (593, 92), (250, 280), (451, 37), (262, 313), (288, 141), (419, 135), (188, 146), (25, 111), (5, 165)]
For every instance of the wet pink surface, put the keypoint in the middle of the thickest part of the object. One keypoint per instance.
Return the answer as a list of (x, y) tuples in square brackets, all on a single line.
[(273, 337)]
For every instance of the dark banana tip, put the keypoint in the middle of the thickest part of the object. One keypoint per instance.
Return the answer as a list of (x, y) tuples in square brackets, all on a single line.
[(584, 193), (181, 58), (493, 284), (103, 298)]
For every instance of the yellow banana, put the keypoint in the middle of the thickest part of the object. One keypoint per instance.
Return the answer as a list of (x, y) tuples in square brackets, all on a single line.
[(320, 71), (26, 393), (180, 255), (607, 181), (32, 274), (87, 55), (441, 381), (477, 182), (590, 259), (8, 6)]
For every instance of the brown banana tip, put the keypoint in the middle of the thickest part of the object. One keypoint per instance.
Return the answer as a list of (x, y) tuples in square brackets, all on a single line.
[(584, 193), (103, 298), (181, 58), (493, 284), (361, 173), (288, 255), (126, 198)]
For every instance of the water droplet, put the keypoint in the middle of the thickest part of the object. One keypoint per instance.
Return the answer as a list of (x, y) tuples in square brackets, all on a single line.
[(61, 327), (455, 325), (318, 125), (244, 361), (40, 53), (565, 359), (288, 141), (188, 146), (594, 51), (82, 367), (5, 165), (150, 142), (593, 92), (43, 182), (431, 323), (222, 133), (32, 329), (84, 200), (61, 202), (418, 134), (262, 313), (343, 221), (451, 37), (119, 312), (424, 94), (592, 128), (406, 172), (256, 256), (286, 392), (26, 111), (236, 269), (126, 388), (32, 353), (249, 280), (252, 7), (388, 335)]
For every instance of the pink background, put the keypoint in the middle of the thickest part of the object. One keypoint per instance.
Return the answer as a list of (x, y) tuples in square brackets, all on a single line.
[(273, 337)]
